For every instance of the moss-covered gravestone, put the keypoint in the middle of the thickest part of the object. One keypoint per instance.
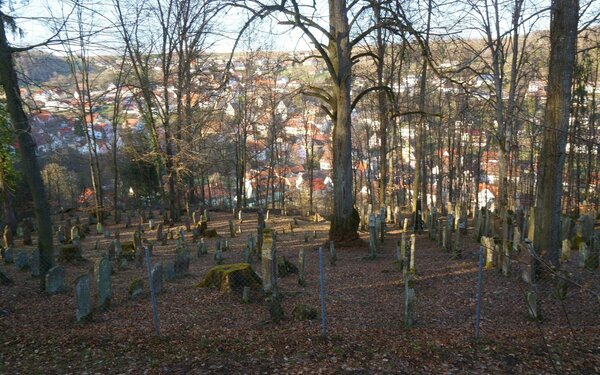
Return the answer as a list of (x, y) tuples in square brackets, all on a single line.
[(136, 288), (304, 312), (232, 278)]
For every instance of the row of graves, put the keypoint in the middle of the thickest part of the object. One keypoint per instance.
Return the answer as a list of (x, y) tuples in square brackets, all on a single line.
[(519, 245), (94, 290)]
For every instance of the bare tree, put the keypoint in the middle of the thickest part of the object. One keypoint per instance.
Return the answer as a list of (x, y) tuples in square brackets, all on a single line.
[(563, 41), (22, 128)]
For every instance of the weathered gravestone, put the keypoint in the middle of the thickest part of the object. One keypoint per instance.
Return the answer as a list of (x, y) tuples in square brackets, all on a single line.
[(157, 277), (55, 280), (182, 263), (60, 235), (267, 260), (102, 272), (22, 261), (565, 253), (84, 298)]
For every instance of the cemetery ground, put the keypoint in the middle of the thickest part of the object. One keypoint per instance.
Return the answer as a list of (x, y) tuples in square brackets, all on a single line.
[(206, 331)]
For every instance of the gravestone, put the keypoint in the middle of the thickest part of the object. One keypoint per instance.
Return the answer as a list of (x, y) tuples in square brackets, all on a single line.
[(7, 255), (583, 254), (201, 249), (27, 235), (446, 238), (267, 260), (196, 233), (565, 253), (99, 228), (22, 261), (84, 298), (182, 263), (565, 228), (169, 271), (157, 277), (533, 306), (247, 255), (55, 280), (74, 233), (138, 247), (516, 239), (118, 248), (60, 236), (136, 288), (102, 272), (35, 263), (529, 266), (107, 234)]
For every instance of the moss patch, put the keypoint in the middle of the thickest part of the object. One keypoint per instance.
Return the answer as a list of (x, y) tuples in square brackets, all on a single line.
[(231, 277)]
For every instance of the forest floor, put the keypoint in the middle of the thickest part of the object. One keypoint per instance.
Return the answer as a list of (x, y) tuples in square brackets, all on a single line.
[(205, 331)]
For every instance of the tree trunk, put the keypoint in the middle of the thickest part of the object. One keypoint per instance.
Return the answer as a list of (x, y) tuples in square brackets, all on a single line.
[(344, 224), (27, 146), (563, 38)]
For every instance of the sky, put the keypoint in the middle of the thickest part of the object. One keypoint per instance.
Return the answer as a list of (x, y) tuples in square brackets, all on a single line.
[(32, 18)]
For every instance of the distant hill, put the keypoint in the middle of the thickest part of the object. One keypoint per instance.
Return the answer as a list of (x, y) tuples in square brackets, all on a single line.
[(39, 67)]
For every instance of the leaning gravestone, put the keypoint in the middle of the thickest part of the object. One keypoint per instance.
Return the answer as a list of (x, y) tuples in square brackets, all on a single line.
[(55, 280), (22, 261), (84, 298), (157, 277), (103, 282)]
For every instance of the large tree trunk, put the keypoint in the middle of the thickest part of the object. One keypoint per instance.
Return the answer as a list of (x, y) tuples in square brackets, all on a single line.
[(344, 224), (27, 146), (563, 38)]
